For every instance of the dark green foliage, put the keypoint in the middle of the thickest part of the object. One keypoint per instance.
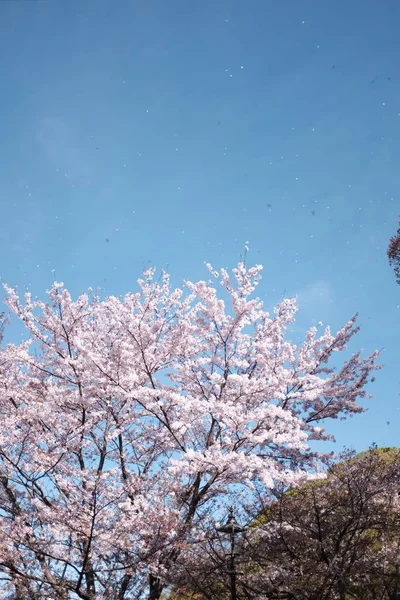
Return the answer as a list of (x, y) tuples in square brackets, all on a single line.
[(393, 253), (335, 539)]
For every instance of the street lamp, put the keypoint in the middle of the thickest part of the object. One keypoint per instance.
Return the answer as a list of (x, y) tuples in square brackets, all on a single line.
[(232, 528)]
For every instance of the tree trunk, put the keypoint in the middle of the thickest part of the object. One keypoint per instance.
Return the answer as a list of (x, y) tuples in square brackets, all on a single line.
[(342, 591), (156, 587)]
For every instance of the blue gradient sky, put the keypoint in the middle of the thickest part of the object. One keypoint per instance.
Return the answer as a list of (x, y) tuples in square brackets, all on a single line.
[(169, 133)]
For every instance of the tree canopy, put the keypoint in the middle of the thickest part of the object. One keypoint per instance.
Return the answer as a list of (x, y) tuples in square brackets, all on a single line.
[(393, 253), (128, 422)]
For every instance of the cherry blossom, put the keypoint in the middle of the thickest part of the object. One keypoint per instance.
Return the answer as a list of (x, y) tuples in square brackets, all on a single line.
[(126, 420)]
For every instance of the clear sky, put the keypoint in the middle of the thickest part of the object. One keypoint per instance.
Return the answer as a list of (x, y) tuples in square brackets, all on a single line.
[(171, 132)]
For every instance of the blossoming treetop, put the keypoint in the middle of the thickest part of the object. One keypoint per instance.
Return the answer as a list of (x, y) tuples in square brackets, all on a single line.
[(125, 420)]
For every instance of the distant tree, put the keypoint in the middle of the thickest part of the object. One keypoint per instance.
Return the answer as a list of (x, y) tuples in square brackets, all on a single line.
[(393, 253), (337, 539), (125, 423)]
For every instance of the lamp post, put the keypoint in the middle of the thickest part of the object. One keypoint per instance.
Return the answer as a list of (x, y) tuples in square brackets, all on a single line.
[(232, 528)]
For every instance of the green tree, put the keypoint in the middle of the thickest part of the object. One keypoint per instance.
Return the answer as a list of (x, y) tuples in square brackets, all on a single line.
[(333, 539), (393, 253)]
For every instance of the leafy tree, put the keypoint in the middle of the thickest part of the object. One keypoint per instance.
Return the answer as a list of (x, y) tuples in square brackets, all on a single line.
[(127, 422), (336, 539), (393, 253)]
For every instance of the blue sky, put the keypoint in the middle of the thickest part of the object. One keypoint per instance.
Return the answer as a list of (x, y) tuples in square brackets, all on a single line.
[(169, 133)]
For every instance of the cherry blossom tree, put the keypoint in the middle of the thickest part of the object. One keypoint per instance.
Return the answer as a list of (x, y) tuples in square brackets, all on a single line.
[(128, 422), (393, 253)]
